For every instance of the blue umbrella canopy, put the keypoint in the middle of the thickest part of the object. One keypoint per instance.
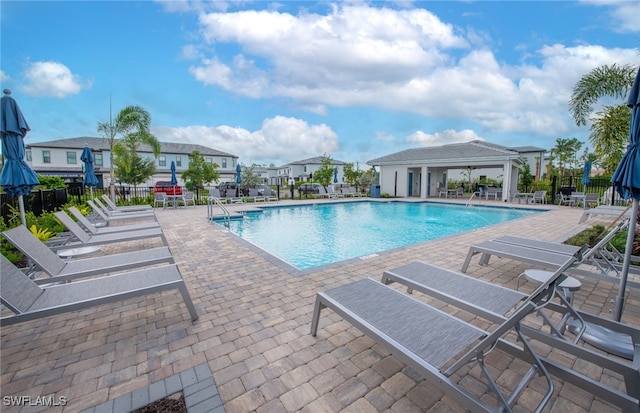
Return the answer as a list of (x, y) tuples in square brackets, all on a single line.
[(238, 174), (90, 178), (174, 178), (17, 178), (586, 174), (626, 180)]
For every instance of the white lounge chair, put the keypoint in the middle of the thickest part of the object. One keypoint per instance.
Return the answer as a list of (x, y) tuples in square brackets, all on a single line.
[(29, 301), (92, 229), (62, 270), (85, 239), (494, 302), (127, 208), (441, 347), (120, 216)]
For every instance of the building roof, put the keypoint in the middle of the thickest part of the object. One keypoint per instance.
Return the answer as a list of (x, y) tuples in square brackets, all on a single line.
[(467, 150), (102, 144), (316, 160)]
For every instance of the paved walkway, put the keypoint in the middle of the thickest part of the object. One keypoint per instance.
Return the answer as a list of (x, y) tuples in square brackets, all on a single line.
[(253, 330)]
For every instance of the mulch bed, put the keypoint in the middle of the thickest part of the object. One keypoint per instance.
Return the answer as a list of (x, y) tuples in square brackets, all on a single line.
[(170, 404)]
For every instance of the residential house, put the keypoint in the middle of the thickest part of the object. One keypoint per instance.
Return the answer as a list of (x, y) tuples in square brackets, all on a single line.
[(62, 158)]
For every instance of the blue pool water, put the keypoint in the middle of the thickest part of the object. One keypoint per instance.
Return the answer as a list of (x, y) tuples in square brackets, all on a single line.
[(307, 236)]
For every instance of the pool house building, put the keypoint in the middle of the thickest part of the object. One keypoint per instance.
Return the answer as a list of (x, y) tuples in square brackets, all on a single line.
[(421, 172)]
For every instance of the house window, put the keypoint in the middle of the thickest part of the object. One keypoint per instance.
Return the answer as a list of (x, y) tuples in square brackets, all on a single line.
[(207, 160), (224, 162), (71, 158), (178, 161), (97, 159), (162, 160), (29, 156), (46, 157)]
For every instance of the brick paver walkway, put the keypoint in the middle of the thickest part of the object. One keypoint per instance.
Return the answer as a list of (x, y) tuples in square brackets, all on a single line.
[(253, 330)]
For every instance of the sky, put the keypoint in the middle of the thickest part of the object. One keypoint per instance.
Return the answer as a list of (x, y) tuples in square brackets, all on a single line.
[(276, 82)]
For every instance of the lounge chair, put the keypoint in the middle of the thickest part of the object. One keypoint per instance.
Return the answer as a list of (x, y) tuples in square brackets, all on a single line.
[(127, 208), (83, 238), (92, 229), (441, 347), (347, 192), (231, 198), (119, 216), (269, 196), (493, 302), (607, 210), (255, 196), (62, 270), (332, 192), (322, 193), (29, 301)]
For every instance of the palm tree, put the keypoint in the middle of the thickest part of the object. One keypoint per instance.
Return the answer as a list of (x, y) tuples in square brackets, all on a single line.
[(132, 121), (609, 128)]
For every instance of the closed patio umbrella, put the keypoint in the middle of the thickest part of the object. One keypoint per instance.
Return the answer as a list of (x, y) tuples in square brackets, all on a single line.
[(16, 179), (174, 178), (626, 180), (586, 174), (238, 178), (335, 175), (90, 178)]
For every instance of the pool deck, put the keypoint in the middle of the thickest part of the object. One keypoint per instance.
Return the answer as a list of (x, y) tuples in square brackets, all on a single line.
[(252, 338)]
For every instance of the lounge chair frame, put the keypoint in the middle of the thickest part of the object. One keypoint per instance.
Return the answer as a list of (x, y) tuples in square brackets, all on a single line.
[(60, 270), (30, 301), (86, 239), (493, 302), (368, 306), (89, 226)]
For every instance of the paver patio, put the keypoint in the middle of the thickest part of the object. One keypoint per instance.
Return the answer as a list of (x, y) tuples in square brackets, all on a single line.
[(253, 330)]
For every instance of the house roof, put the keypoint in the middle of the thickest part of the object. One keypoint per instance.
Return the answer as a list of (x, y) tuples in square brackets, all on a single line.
[(317, 160), (102, 144), (457, 151)]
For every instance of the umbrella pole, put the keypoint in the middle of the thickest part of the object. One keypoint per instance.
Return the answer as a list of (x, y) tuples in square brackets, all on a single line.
[(631, 233), (21, 207)]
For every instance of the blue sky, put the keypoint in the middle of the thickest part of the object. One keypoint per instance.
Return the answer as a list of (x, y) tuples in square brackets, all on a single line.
[(274, 82)]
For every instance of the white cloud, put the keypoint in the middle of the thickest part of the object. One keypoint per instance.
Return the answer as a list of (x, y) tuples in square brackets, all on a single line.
[(404, 60), (624, 12), (3, 76), (442, 138), (52, 79), (279, 138)]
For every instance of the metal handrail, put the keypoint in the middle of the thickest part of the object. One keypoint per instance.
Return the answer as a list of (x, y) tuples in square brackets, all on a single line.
[(213, 201)]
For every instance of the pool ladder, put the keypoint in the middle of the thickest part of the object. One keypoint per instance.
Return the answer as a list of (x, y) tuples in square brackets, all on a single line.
[(468, 204), (213, 202)]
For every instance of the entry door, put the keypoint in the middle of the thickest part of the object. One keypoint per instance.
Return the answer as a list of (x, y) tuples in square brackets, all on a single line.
[(410, 189)]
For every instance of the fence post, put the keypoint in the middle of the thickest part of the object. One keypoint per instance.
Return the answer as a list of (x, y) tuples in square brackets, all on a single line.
[(554, 190)]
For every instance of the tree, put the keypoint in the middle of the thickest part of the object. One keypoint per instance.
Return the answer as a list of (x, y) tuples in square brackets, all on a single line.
[(565, 151), (324, 174), (525, 175), (132, 120), (609, 136), (250, 179), (199, 172), (610, 127), (351, 175), (132, 168)]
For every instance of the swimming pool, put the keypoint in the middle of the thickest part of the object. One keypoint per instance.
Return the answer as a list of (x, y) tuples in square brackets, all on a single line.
[(308, 236)]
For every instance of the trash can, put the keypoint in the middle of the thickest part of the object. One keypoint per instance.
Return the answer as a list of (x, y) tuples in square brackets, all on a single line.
[(375, 191)]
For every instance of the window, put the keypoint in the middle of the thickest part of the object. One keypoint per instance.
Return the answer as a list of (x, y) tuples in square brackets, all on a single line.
[(224, 162), (71, 158), (46, 157), (208, 160), (162, 160), (29, 156), (97, 159), (178, 161)]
